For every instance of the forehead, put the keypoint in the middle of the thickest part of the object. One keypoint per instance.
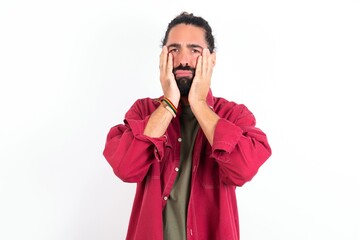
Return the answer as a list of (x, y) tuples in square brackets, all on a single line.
[(184, 34)]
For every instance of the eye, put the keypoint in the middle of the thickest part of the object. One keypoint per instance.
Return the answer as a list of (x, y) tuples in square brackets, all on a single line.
[(172, 50), (195, 50)]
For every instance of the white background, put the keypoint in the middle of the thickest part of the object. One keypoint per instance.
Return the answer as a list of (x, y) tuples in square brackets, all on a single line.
[(69, 70)]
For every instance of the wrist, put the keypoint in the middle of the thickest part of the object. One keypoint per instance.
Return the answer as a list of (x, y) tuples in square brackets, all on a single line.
[(198, 103), (167, 103), (173, 100)]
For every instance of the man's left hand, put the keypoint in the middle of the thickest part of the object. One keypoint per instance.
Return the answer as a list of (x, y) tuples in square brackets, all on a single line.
[(202, 80)]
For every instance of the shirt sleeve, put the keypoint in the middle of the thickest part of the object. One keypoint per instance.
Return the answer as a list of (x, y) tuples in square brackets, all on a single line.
[(239, 147), (129, 152)]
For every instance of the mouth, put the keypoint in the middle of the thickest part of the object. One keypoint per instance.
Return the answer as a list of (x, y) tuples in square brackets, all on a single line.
[(183, 73)]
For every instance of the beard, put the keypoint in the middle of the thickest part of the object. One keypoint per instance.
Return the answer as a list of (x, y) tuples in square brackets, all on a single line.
[(184, 83)]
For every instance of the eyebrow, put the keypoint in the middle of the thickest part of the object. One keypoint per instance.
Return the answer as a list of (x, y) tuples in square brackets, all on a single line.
[(177, 45)]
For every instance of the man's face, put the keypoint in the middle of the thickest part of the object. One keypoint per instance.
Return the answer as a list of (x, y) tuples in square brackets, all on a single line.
[(185, 43)]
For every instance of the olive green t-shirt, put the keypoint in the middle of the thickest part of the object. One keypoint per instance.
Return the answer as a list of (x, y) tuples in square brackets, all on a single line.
[(175, 212)]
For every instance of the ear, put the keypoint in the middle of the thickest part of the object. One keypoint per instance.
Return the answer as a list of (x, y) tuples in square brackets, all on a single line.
[(213, 58)]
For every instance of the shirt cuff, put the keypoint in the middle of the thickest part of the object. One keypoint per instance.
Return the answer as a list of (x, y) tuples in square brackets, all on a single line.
[(138, 127), (226, 136)]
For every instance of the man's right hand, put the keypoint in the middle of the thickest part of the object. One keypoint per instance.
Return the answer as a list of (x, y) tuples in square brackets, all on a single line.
[(168, 82)]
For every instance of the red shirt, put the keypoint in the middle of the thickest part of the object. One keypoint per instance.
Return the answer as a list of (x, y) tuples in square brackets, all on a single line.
[(239, 149)]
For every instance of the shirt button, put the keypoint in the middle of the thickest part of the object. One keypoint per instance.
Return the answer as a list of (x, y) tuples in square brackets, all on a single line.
[(180, 139), (176, 169), (165, 198)]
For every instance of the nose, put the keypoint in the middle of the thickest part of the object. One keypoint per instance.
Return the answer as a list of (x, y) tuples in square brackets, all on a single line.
[(183, 58)]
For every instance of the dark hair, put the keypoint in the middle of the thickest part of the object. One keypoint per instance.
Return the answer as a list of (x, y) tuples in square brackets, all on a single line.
[(190, 19)]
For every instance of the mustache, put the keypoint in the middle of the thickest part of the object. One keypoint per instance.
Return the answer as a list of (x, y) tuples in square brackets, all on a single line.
[(186, 68)]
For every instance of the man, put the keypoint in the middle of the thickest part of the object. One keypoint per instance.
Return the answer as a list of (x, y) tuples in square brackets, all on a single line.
[(187, 150)]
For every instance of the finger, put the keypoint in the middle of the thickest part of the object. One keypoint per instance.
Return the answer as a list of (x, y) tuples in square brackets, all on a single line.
[(169, 63), (205, 61), (198, 68), (163, 58), (211, 62)]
